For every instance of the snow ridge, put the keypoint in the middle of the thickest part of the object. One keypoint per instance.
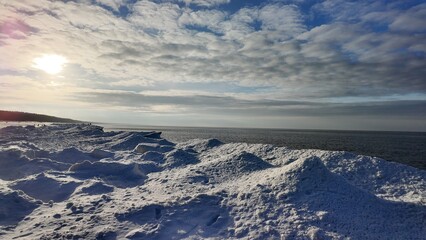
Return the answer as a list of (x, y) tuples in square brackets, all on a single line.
[(75, 181)]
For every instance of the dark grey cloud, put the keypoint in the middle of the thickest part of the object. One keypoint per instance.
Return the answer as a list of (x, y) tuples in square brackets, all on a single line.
[(123, 99), (198, 3), (266, 108)]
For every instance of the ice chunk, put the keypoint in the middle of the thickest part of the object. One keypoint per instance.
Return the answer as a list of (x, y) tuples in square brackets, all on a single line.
[(153, 147)]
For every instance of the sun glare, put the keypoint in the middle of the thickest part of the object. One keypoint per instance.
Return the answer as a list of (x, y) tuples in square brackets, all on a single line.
[(50, 63)]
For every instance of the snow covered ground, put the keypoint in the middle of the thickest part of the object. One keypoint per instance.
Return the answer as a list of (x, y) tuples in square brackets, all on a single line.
[(78, 182)]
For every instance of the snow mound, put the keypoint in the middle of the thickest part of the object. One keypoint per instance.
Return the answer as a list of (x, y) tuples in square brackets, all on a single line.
[(179, 158), (71, 181), (46, 187), (100, 154), (113, 172), (200, 217), (378, 177), (233, 166), (200, 145), (14, 164), (72, 155), (14, 206), (95, 187), (315, 203), (153, 156)]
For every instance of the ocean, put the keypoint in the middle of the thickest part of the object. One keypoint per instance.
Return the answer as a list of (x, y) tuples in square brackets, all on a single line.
[(403, 147)]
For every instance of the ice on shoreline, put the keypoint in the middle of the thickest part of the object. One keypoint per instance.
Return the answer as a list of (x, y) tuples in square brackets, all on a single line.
[(78, 182)]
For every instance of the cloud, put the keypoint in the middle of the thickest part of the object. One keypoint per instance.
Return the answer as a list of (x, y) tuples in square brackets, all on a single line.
[(206, 3), (151, 17), (347, 11), (282, 18), (113, 4), (294, 50), (15, 29), (210, 19), (197, 104), (411, 21)]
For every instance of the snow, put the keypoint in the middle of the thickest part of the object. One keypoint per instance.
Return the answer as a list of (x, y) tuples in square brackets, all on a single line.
[(71, 181)]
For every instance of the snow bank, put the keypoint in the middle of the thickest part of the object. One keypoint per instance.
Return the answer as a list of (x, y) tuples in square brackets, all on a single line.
[(78, 182)]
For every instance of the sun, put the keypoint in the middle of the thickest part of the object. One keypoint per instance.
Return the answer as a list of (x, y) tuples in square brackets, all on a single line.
[(50, 63)]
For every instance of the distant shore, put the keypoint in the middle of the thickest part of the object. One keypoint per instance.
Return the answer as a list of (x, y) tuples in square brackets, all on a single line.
[(12, 116)]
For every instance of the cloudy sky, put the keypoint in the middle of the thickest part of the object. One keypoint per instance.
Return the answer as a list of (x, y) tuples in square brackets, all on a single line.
[(330, 64)]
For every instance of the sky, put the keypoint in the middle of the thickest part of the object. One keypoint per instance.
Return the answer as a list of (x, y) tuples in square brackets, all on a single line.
[(334, 64)]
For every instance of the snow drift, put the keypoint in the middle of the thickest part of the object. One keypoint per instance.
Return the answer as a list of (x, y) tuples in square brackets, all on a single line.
[(73, 181)]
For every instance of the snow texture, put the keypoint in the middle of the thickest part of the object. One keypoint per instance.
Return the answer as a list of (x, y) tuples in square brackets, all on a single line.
[(71, 181)]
